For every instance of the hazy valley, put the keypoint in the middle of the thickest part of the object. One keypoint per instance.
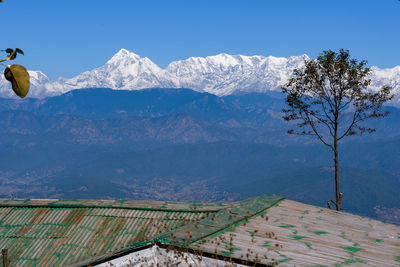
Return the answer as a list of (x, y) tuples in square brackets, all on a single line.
[(178, 144)]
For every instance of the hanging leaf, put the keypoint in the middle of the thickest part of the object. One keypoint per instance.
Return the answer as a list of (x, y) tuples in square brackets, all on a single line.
[(19, 78), (19, 51)]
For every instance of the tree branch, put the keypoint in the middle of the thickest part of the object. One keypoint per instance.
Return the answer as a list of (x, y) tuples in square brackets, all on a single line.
[(311, 123), (355, 115), (326, 113), (324, 122)]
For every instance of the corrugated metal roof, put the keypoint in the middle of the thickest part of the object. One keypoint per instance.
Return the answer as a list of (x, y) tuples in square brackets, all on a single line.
[(209, 225), (221, 220), (296, 234), (65, 232), (265, 229)]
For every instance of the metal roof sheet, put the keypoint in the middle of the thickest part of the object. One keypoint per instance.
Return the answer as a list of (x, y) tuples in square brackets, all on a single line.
[(266, 229), (215, 223), (65, 232), (296, 234)]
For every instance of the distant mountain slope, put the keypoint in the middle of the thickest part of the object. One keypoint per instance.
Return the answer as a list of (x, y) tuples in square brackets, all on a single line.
[(245, 117), (134, 130), (243, 110), (221, 74)]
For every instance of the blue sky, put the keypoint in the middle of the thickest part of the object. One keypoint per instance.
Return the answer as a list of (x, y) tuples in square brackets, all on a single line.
[(64, 38)]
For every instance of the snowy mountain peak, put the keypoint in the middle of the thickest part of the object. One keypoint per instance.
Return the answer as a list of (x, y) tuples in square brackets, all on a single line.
[(38, 75), (221, 74), (124, 52), (129, 63), (124, 55), (230, 60)]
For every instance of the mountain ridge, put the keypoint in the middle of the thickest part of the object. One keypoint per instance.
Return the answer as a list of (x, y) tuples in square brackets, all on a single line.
[(251, 117), (222, 74)]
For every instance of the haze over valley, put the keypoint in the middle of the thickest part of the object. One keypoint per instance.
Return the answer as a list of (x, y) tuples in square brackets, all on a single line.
[(179, 144)]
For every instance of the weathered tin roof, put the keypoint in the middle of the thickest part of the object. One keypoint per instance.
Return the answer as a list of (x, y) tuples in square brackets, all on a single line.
[(209, 225), (296, 234), (266, 229), (64, 232)]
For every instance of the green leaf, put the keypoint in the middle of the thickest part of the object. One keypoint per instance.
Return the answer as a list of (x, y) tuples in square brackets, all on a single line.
[(19, 51), (19, 78)]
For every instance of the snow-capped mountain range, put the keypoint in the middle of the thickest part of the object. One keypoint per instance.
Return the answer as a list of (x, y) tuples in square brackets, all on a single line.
[(222, 74)]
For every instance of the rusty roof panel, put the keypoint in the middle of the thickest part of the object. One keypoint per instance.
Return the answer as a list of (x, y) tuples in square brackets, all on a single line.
[(58, 232)]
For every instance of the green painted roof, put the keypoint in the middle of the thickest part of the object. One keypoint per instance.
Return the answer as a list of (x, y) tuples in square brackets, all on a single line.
[(50, 232)]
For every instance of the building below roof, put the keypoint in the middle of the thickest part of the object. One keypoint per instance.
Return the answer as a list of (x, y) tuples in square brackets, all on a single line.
[(266, 231), (159, 256)]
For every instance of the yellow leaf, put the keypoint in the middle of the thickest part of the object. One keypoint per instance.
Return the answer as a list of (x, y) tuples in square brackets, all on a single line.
[(19, 78)]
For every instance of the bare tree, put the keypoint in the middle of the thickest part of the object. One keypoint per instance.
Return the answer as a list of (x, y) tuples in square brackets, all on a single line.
[(329, 98)]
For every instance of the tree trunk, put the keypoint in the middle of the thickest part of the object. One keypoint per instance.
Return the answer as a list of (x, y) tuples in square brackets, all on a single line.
[(336, 159)]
